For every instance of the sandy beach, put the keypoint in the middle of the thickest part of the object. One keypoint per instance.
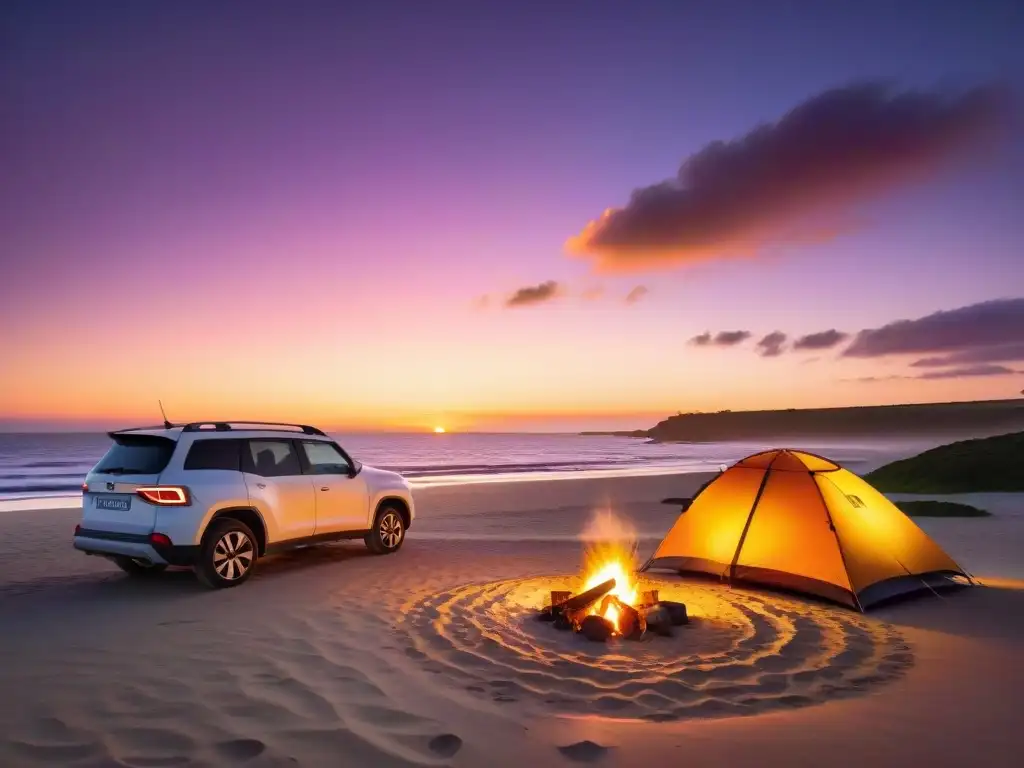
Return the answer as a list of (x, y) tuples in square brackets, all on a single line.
[(430, 657)]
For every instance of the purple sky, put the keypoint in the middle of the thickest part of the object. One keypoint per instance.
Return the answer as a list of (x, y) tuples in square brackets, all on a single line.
[(295, 208)]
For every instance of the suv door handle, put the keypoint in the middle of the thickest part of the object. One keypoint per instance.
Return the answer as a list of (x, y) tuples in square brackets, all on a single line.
[(261, 485), (325, 488)]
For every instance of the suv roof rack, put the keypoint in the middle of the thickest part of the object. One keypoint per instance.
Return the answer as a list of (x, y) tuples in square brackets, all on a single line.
[(263, 426)]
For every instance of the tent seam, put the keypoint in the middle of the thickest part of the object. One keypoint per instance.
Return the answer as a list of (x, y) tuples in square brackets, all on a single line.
[(839, 542), (746, 526)]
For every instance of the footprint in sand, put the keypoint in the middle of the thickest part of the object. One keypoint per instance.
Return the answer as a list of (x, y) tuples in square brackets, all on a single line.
[(240, 749), (743, 653), (584, 752), (445, 745)]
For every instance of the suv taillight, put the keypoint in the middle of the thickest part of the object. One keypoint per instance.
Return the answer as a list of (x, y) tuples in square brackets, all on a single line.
[(165, 495)]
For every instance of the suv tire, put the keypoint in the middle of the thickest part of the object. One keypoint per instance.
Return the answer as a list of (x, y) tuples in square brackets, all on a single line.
[(228, 554), (137, 568), (388, 531)]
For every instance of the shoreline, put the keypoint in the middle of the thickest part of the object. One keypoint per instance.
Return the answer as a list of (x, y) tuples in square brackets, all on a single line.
[(419, 485), (49, 475)]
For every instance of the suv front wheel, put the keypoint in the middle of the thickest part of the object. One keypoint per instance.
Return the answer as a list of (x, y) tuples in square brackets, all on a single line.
[(228, 554), (388, 531)]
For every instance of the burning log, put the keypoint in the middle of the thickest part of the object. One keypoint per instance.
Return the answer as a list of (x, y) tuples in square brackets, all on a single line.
[(596, 628), (648, 598), (584, 599), (567, 611), (573, 611), (559, 596), (553, 611), (629, 623)]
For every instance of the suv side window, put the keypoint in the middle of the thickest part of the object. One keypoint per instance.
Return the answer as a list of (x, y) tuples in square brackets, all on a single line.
[(214, 454), (325, 459), (271, 458)]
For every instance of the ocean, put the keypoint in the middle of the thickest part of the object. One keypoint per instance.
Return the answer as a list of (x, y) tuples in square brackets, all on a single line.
[(46, 470)]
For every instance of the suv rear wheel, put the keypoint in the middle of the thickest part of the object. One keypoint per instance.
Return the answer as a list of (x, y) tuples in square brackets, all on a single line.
[(138, 568), (388, 531), (227, 555)]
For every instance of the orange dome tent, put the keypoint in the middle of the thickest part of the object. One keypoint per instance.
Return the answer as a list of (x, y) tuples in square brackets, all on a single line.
[(790, 519)]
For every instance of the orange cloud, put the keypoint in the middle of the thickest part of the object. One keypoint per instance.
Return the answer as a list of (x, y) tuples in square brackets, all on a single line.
[(779, 181)]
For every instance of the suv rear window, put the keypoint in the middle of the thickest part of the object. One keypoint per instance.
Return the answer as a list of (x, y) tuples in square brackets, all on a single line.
[(214, 454), (137, 455)]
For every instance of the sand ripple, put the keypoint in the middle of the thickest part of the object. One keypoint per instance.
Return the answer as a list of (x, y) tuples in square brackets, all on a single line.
[(394, 665), (742, 653)]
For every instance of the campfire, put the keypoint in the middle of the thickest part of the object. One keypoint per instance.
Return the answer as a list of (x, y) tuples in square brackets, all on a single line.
[(611, 603)]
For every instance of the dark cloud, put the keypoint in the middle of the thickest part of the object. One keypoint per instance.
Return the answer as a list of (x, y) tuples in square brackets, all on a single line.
[(969, 371), (533, 294), (822, 340), (1002, 353), (873, 379), (636, 294), (720, 339), (996, 323), (702, 340), (774, 183), (731, 338), (771, 345), (952, 373)]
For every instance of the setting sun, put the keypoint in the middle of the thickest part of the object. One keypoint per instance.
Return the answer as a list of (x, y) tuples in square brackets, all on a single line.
[(438, 430)]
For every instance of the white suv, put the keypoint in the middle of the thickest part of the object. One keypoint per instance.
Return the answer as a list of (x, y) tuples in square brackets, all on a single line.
[(217, 496)]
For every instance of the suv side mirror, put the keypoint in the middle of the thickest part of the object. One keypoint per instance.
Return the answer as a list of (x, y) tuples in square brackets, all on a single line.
[(355, 469)]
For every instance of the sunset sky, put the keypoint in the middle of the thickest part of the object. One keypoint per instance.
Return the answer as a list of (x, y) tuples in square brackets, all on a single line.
[(394, 217)]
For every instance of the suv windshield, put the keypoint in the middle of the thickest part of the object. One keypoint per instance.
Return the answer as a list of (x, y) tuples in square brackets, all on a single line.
[(136, 455)]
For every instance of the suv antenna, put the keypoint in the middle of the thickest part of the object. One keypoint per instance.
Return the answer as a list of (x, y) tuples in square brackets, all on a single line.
[(167, 424)]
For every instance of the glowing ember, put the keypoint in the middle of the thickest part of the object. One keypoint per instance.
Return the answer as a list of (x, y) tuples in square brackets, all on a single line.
[(610, 554)]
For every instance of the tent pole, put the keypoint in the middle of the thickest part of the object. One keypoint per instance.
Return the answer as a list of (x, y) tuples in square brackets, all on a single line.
[(839, 543), (746, 526)]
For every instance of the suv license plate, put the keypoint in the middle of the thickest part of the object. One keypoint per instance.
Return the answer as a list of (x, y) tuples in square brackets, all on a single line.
[(116, 503)]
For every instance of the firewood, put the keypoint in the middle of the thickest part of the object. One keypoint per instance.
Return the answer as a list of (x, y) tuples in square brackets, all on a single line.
[(584, 599), (658, 620), (559, 596), (596, 628), (676, 612), (552, 611), (575, 617)]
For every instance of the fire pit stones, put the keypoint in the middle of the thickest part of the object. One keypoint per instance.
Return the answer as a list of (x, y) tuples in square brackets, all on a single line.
[(568, 611)]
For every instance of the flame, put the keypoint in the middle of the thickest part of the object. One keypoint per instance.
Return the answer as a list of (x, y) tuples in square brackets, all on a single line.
[(610, 554), (612, 614)]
